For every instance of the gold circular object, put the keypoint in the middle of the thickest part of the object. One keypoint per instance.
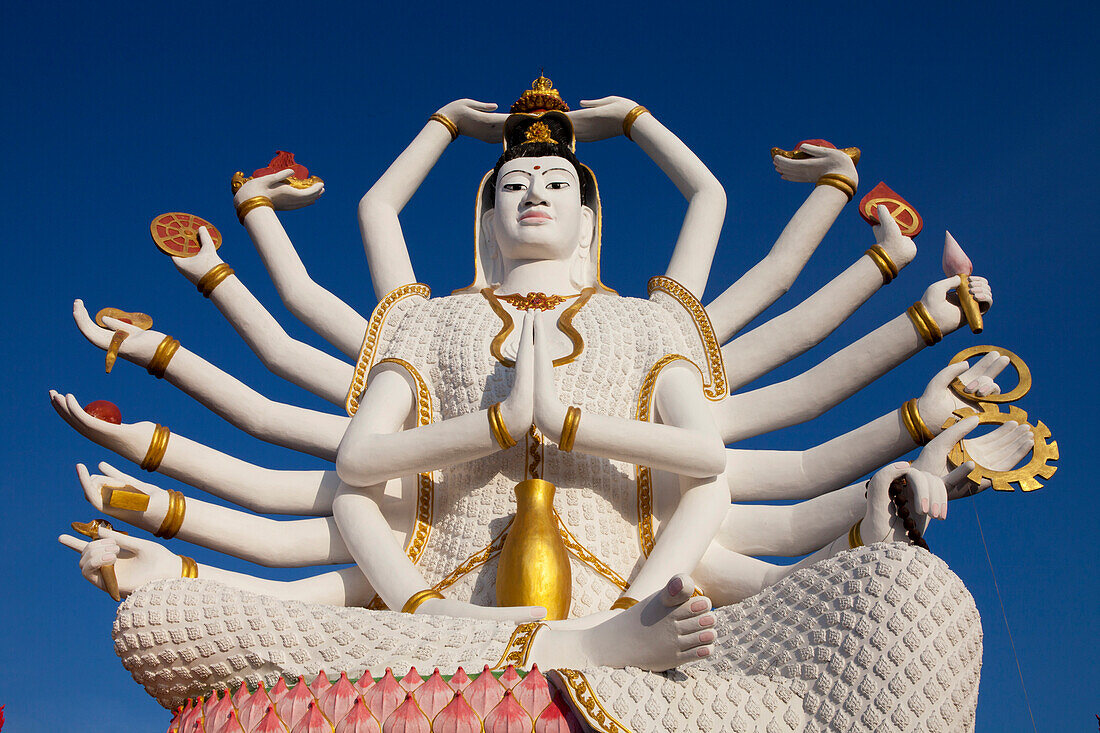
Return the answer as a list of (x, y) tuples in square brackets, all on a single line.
[(177, 234), (256, 202), (446, 122), (418, 598), (1042, 451), (166, 349), (157, 446), (212, 279), (632, 117), (1022, 372)]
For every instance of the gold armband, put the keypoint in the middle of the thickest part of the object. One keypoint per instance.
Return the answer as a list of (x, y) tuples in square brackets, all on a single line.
[(883, 262), (844, 184), (854, 538), (212, 279), (918, 431), (569, 429), (924, 323), (253, 203), (157, 446), (166, 349), (446, 122), (623, 603), (418, 598), (499, 429), (173, 519), (632, 117), (190, 567)]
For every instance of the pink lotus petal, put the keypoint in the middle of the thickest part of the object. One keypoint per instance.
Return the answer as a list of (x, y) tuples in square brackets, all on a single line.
[(484, 694), (457, 717), (314, 721), (433, 695), (510, 678), (240, 697), (557, 718), (320, 684), (384, 696), (174, 725), (508, 717), (217, 716), (359, 720), (295, 703), (270, 723), (459, 680), (407, 718), (186, 716), (955, 261), (232, 724), (278, 692), (365, 681), (254, 709), (412, 680), (533, 693), (337, 700)]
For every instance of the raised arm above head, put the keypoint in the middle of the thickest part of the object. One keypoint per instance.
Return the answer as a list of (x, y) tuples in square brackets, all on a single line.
[(807, 324), (310, 368), (328, 316), (691, 259), (773, 276), (383, 240)]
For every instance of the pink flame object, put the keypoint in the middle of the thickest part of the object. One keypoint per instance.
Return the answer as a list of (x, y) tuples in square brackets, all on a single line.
[(955, 261), (407, 718), (337, 700), (459, 680), (359, 720), (484, 694), (508, 717), (385, 696), (433, 695), (232, 724), (533, 693)]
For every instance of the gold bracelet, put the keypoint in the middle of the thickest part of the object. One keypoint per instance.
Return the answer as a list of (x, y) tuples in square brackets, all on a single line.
[(854, 538), (419, 597), (253, 203), (911, 418), (213, 278), (499, 429), (844, 184), (157, 446), (166, 349), (883, 262), (632, 117), (924, 323), (569, 429), (173, 518), (190, 567), (623, 603), (446, 122)]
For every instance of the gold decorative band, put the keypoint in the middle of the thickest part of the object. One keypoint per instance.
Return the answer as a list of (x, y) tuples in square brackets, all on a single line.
[(911, 418), (632, 117), (166, 349), (924, 323), (157, 446), (418, 598), (253, 203), (499, 429), (190, 567), (569, 429), (519, 645), (173, 519), (854, 538), (844, 184), (624, 602), (212, 279), (446, 122), (883, 262)]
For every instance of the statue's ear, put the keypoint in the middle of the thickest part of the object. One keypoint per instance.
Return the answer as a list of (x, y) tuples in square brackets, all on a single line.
[(487, 225), (588, 228)]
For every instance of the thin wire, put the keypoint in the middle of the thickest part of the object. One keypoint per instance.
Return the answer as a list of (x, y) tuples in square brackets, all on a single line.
[(1004, 615)]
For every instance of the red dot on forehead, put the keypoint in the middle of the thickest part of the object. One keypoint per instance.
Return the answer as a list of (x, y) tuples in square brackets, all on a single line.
[(537, 167)]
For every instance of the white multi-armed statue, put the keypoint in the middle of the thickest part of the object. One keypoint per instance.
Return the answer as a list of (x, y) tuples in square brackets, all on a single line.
[(534, 468)]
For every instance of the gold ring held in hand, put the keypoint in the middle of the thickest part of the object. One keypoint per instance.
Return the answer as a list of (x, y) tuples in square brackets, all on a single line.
[(1023, 373), (632, 117), (416, 599)]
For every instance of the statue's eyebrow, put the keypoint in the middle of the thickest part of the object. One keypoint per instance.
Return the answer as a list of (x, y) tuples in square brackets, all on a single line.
[(566, 170)]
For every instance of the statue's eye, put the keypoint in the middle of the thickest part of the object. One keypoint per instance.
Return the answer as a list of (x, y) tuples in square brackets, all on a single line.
[(513, 187), (557, 185)]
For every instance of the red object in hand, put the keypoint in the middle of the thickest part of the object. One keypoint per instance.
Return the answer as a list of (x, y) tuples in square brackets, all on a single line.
[(904, 214), (818, 143), (105, 411), (281, 162)]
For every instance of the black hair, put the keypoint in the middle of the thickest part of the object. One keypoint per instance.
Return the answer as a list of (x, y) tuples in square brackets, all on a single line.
[(534, 150)]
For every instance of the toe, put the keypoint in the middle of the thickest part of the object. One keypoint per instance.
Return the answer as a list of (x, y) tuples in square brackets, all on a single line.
[(678, 590), (692, 607)]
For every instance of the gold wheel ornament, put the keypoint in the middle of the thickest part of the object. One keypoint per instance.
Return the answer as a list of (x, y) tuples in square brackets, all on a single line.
[(1023, 374), (177, 234)]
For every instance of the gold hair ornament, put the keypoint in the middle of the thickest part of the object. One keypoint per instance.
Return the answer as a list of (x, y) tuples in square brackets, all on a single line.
[(538, 132), (541, 97)]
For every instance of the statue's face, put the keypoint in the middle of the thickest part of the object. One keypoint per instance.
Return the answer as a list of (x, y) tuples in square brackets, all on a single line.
[(538, 213)]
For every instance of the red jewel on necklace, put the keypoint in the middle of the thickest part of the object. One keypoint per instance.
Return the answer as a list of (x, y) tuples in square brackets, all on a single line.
[(535, 301)]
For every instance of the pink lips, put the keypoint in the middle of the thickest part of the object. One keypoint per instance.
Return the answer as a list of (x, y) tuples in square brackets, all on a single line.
[(535, 216)]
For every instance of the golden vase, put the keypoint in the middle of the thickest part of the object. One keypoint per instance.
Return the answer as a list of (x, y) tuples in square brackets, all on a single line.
[(534, 564)]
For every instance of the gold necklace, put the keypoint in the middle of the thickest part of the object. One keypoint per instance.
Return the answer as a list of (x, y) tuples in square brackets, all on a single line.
[(536, 301), (565, 324)]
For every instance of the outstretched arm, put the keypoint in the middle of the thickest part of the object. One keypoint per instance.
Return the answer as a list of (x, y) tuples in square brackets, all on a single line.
[(328, 316), (308, 431), (268, 542), (793, 333), (773, 276), (310, 368), (824, 386), (383, 240), (694, 251)]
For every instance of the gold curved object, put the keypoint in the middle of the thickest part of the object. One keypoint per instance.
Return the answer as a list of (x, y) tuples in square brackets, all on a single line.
[(842, 183), (926, 326), (565, 325), (569, 429), (113, 348), (854, 538), (418, 598), (913, 422), (716, 389), (157, 446), (1042, 451), (883, 262), (173, 518), (583, 697), (632, 117), (190, 568), (1023, 374), (972, 312), (533, 569), (213, 278), (446, 122), (137, 320), (499, 430), (518, 648), (623, 603), (248, 205), (166, 349)]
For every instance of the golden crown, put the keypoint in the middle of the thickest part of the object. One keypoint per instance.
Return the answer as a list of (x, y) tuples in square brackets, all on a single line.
[(541, 97)]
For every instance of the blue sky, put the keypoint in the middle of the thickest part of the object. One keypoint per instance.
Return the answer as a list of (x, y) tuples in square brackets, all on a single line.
[(984, 120)]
